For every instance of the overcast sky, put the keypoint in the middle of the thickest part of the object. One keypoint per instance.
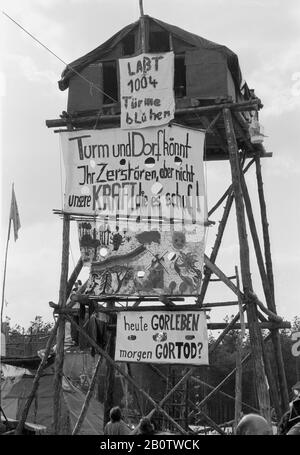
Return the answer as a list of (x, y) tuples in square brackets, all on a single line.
[(266, 37)]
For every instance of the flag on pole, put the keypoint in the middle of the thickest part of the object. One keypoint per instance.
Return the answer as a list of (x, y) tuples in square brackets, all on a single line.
[(14, 214)]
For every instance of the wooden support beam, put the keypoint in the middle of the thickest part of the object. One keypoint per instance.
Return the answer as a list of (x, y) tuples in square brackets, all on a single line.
[(227, 378), (189, 373), (238, 359), (35, 385), (228, 191), (272, 316), (188, 307), (138, 401), (271, 375), (219, 304), (142, 27), (242, 131), (216, 247), (211, 423), (232, 277), (255, 334), (220, 274), (101, 351), (59, 355), (82, 120), (271, 305), (110, 371), (86, 299), (90, 392), (74, 276), (224, 394), (238, 382), (256, 243), (209, 130), (262, 325), (265, 228)]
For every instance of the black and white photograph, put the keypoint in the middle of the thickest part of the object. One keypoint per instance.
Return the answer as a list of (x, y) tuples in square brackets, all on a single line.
[(149, 206)]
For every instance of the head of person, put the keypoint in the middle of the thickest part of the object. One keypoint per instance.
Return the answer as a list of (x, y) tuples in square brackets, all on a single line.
[(252, 424), (295, 430), (115, 414), (146, 426)]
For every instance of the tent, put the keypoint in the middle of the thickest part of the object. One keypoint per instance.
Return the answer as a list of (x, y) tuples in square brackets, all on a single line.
[(16, 385)]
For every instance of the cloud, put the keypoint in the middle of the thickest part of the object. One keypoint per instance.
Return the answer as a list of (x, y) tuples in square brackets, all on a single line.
[(30, 70), (284, 166)]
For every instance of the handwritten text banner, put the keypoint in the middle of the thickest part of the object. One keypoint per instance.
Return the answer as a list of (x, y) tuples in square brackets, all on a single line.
[(147, 95), (151, 173), (173, 337)]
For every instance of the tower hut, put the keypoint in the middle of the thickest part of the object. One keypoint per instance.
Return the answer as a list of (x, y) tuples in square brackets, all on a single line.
[(209, 94)]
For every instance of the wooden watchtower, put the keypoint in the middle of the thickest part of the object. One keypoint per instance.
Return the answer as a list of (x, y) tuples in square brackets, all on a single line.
[(209, 95)]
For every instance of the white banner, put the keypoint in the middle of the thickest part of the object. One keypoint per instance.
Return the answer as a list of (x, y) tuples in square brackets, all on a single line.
[(146, 188), (155, 172), (172, 337), (147, 94)]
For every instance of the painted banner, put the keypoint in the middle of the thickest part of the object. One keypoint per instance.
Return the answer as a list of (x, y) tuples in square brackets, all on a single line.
[(154, 173), (147, 94), (173, 337), (146, 191)]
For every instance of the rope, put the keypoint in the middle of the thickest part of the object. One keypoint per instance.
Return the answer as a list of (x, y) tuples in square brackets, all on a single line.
[(91, 84)]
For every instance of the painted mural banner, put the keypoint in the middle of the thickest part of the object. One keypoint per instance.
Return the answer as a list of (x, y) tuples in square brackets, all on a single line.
[(146, 86), (145, 190), (172, 337), (143, 263)]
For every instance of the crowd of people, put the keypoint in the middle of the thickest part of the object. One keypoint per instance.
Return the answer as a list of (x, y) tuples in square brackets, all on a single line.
[(250, 424)]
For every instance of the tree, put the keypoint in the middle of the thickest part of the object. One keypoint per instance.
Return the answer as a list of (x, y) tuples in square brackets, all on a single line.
[(38, 326)]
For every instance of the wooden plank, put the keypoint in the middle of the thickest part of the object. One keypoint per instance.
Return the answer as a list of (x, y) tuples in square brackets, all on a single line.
[(256, 243), (142, 27), (269, 270), (110, 371), (220, 274), (211, 423), (138, 401), (224, 394), (80, 120), (238, 360), (140, 390), (74, 276), (35, 384), (216, 247), (90, 392), (228, 191), (228, 377), (59, 355), (188, 307), (219, 304), (262, 325), (254, 330), (189, 373)]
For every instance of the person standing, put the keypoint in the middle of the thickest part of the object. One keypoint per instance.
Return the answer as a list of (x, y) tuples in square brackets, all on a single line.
[(116, 426)]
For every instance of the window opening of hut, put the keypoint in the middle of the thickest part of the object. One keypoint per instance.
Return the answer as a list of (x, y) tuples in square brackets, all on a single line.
[(179, 76), (129, 44), (110, 82), (159, 41)]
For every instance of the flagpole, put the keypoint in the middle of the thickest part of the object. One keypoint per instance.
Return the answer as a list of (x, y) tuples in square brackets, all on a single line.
[(4, 274)]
